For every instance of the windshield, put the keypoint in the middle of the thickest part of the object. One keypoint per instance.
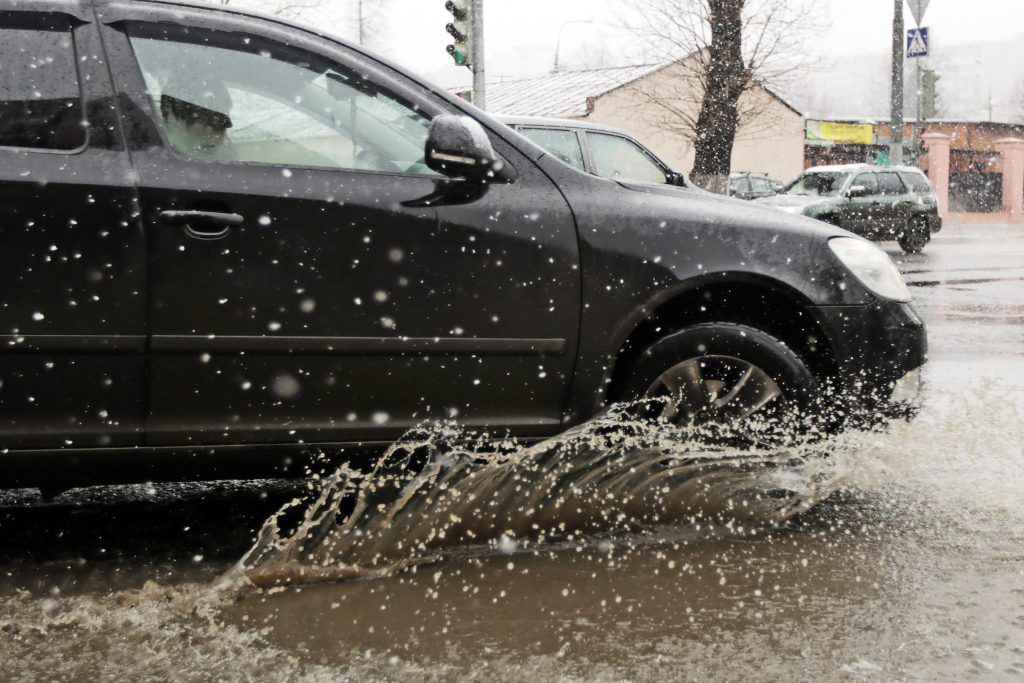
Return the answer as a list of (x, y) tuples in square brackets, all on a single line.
[(820, 184)]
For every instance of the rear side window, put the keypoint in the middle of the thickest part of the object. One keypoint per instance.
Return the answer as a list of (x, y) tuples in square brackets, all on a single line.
[(562, 144), (40, 101), (889, 183), (867, 180), (916, 182)]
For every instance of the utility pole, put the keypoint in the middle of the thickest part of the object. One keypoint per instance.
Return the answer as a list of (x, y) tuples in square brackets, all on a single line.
[(479, 80), (896, 99)]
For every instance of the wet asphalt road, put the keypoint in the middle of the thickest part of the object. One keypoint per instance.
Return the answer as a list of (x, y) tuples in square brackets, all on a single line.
[(913, 569)]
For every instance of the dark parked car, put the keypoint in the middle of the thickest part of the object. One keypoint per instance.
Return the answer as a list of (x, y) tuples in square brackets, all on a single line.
[(753, 186), (229, 241), (877, 202), (603, 151)]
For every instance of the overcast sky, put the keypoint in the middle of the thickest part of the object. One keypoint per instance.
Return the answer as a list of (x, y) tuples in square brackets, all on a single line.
[(522, 34)]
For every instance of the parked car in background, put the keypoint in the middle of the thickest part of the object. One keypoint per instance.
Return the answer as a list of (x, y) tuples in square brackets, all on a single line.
[(600, 150), (231, 242), (753, 185), (880, 203)]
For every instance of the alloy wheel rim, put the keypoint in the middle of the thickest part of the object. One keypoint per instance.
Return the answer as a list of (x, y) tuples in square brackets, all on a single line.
[(712, 389)]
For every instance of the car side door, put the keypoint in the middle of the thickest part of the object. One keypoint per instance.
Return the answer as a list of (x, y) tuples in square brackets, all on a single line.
[(895, 202), (312, 280), (72, 257), (859, 213)]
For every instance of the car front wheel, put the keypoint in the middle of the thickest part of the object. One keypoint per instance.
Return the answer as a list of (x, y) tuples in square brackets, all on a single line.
[(720, 374)]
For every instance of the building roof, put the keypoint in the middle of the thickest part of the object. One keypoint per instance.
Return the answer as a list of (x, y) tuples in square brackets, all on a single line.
[(562, 93), (570, 94)]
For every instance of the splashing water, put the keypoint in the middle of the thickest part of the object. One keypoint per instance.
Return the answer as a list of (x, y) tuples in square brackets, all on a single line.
[(440, 488)]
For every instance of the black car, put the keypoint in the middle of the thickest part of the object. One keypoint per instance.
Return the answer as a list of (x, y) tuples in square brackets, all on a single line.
[(229, 241)]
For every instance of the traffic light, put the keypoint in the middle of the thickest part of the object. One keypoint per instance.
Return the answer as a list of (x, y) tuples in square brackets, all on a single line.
[(929, 94), (461, 31)]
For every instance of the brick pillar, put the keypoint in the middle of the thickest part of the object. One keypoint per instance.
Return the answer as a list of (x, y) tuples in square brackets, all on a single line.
[(1012, 150), (937, 145)]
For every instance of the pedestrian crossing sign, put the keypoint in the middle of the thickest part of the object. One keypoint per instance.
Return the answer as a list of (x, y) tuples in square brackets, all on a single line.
[(917, 43)]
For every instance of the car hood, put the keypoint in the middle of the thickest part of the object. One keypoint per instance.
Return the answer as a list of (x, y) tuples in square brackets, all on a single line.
[(758, 215), (795, 201)]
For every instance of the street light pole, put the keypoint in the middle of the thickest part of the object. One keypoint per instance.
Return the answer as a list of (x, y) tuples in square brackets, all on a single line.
[(896, 95)]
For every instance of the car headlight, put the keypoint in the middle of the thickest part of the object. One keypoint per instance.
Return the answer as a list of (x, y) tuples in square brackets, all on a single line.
[(871, 266)]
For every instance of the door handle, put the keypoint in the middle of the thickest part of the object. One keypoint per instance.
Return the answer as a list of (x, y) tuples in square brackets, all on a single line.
[(203, 224)]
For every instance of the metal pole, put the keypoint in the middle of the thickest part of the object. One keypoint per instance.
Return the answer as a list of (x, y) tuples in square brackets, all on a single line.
[(896, 101), (918, 128), (479, 82)]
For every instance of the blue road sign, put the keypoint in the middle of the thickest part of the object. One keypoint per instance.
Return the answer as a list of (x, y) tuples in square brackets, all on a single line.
[(917, 42)]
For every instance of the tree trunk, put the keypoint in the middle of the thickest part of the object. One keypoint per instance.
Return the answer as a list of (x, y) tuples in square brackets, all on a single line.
[(726, 80)]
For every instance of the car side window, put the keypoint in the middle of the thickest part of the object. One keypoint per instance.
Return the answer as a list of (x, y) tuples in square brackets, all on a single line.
[(760, 185), (740, 185), (233, 97), (40, 100), (563, 144), (916, 182), (869, 181), (617, 158), (890, 184)]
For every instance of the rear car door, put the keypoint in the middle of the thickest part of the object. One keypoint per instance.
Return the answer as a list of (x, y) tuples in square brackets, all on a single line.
[(894, 205), (312, 280), (73, 309), (859, 214)]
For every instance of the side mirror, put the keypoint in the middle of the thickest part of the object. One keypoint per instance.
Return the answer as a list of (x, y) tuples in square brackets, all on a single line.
[(458, 147), (858, 191), (677, 179)]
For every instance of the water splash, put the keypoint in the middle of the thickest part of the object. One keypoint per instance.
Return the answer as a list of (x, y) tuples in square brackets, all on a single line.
[(439, 488)]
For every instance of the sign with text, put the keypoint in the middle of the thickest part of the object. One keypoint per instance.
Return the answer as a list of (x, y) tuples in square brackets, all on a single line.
[(837, 131)]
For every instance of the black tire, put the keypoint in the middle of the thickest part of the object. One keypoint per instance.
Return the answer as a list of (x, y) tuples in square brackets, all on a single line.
[(709, 341), (915, 236)]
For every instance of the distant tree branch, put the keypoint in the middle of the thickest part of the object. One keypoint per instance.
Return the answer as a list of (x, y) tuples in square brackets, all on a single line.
[(728, 54)]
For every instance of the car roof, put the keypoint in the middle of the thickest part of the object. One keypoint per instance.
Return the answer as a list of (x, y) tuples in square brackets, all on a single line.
[(555, 123), (840, 168), (909, 169), (850, 168)]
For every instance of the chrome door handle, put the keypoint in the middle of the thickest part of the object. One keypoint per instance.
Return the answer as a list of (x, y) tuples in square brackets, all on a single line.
[(203, 224)]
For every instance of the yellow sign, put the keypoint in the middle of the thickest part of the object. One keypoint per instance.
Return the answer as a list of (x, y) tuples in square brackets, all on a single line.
[(834, 131)]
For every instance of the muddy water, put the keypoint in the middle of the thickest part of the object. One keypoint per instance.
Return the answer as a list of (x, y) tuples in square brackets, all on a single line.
[(911, 567)]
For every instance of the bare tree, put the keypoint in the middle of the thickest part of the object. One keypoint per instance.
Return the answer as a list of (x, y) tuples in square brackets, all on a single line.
[(725, 59)]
